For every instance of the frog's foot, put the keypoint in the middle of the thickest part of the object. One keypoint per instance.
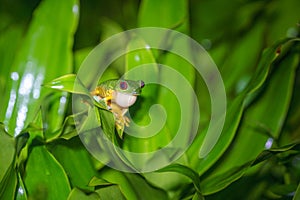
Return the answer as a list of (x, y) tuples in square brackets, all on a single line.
[(122, 120), (119, 126), (126, 121)]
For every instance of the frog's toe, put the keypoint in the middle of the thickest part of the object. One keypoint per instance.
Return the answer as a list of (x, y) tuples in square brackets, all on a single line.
[(126, 119)]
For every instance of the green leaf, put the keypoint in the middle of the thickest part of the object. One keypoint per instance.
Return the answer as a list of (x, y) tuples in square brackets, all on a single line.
[(156, 93), (9, 43), (7, 152), (166, 14), (76, 162), (95, 181), (79, 57), (297, 193), (9, 183), (21, 190), (218, 182), (266, 154), (239, 63), (259, 126), (34, 131), (110, 192), (67, 130), (135, 59), (169, 181), (268, 57), (109, 28), (44, 54), (77, 194), (283, 189), (68, 83), (132, 186), (44, 177), (175, 16), (235, 110), (197, 196), (185, 171), (107, 123)]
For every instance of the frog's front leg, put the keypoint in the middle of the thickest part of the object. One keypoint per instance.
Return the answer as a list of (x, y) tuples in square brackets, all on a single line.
[(105, 100), (119, 113), (101, 94)]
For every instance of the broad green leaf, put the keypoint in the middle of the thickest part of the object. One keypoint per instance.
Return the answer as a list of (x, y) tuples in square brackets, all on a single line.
[(79, 57), (297, 193), (68, 83), (169, 181), (285, 25), (149, 74), (7, 152), (9, 44), (185, 171), (44, 54), (22, 141), (163, 14), (219, 182), (239, 64), (133, 186), (283, 190), (76, 162), (107, 123), (77, 194), (44, 177), (268, 56), (110, 28), (37, 126), (174, 16), (34, 131), (110, 192), (202, 28), (266, 154), (21, 190), (235, 110), (8, 183), (165, 97), (277, 97), (8, 179), (97, 117), (95, 181), (92, 121), (68, 129), (260, 127), (198, 196)]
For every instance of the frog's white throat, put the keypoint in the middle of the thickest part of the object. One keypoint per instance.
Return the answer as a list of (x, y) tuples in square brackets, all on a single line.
[(124, 100)]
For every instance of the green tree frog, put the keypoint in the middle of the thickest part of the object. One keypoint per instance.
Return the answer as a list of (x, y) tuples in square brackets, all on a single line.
[(118, 95)]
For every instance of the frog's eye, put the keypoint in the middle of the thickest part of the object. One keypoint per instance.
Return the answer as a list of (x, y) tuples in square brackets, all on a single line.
[(123, 85), (142, 84)]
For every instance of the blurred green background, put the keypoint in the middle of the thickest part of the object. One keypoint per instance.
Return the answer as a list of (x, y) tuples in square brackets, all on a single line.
[(255, 45)]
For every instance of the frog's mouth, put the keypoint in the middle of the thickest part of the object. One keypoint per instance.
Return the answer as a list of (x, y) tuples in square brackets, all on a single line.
[(124, 100)]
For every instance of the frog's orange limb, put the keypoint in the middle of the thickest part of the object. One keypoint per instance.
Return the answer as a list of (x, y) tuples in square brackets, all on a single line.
[(103, 94)]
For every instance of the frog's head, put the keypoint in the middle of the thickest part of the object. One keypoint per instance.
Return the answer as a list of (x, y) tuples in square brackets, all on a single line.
[(129, 87), (126, 92)]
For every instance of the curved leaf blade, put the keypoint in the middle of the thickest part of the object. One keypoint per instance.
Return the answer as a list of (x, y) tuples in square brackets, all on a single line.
[(44, 55), (44, 177)]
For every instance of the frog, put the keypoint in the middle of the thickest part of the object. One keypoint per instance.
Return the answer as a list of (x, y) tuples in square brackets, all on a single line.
[(118, 95)]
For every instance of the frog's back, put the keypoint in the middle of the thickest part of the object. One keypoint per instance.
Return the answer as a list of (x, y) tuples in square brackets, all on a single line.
[(105, 89)]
